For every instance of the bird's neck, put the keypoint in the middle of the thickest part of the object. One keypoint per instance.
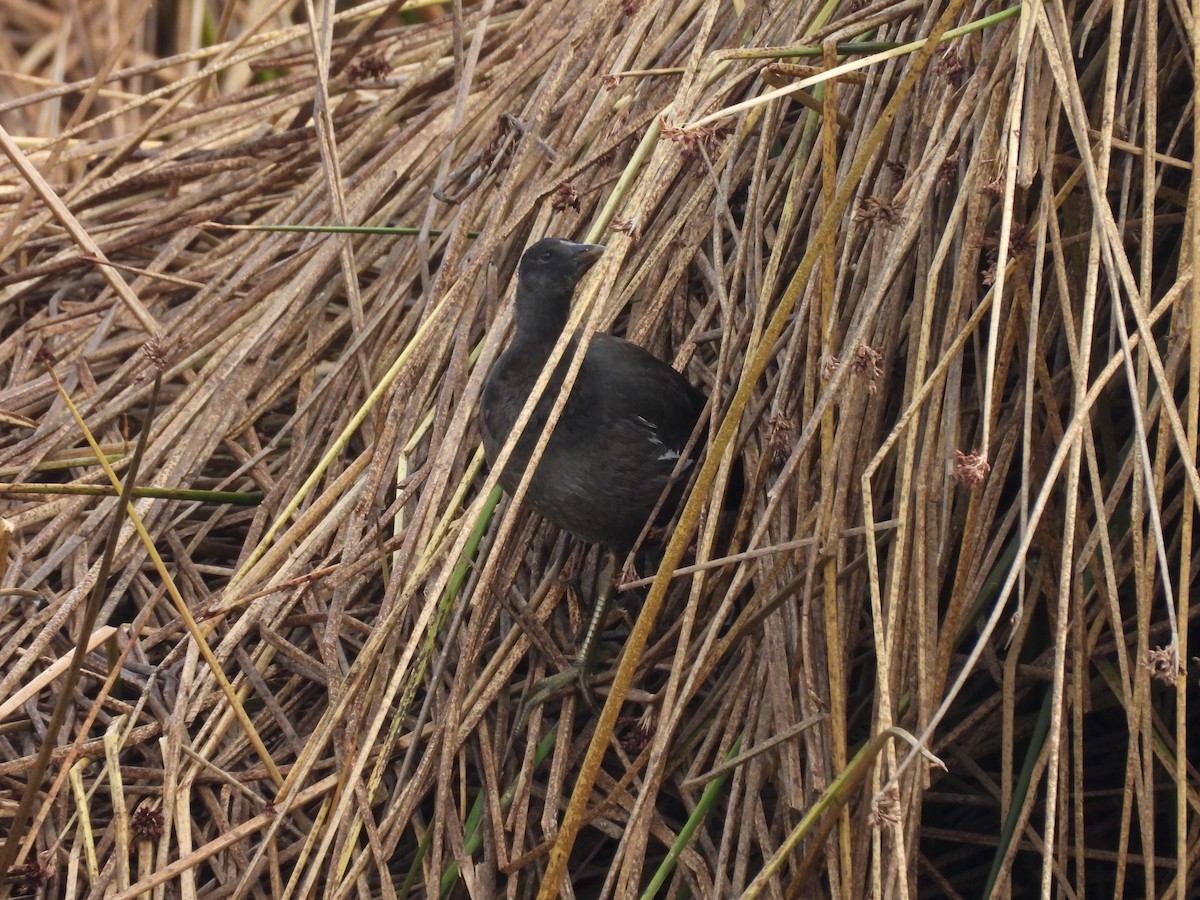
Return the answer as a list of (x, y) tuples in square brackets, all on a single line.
[(540, 321)]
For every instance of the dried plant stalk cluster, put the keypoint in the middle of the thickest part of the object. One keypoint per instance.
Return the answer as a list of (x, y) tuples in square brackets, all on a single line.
[(941, 297)]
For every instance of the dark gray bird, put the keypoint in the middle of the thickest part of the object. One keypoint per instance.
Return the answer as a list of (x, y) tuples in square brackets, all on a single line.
[(624, 427)]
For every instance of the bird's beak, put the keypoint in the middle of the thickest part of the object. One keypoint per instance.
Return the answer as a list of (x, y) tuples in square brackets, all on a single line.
[(586, 255)]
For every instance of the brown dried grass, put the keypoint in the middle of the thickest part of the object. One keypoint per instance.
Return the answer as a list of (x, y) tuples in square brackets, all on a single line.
[(308, 696)]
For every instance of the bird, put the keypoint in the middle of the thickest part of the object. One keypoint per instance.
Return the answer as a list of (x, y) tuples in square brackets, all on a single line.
[(624, 428), (622, 437)]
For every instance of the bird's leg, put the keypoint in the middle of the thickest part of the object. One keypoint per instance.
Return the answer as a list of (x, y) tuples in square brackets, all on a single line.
[(604, 590), (578, 675)]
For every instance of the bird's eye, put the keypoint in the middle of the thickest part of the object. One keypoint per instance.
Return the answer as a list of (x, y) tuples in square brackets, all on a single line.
[(546, 254)]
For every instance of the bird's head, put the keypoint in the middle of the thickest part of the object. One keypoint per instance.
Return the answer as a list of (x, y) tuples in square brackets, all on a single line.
[(553, 266)]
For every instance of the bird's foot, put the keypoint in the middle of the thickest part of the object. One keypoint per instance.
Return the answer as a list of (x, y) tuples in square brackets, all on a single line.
[(577, 678), (625, 576)]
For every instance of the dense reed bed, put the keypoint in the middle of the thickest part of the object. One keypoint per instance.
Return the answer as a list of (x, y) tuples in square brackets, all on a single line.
[(932, 261)]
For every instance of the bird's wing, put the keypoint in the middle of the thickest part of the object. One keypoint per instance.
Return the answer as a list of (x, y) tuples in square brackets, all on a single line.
[(639, 386)]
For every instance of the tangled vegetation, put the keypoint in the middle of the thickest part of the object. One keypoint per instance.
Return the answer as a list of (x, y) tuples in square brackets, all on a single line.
[(932, 262)]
